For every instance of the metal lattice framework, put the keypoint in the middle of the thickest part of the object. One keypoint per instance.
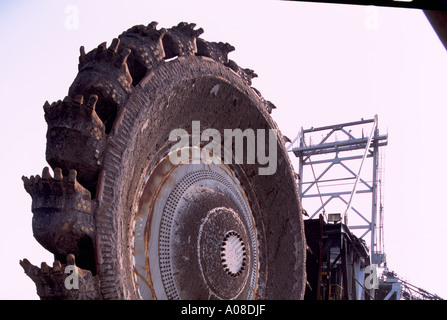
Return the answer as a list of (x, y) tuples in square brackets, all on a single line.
[(334, 174)]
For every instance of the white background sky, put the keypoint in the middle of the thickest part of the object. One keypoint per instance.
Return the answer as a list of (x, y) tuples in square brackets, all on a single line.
[(320, 64)]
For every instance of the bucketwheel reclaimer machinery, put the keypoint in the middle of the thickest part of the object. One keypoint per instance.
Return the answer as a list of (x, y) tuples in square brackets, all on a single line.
[(134, 225)]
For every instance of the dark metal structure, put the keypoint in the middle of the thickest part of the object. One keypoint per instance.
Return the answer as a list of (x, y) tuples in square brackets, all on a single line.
[(435, 11), (438, 20), (412, 4), (336, 262)]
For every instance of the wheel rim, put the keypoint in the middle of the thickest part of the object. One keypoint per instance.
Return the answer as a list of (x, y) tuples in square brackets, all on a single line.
[(194, 236)]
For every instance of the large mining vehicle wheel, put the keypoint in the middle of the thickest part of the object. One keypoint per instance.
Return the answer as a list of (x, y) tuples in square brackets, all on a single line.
[(142, 225)]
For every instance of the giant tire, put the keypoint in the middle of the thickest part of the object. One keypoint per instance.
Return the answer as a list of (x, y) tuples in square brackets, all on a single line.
[(166, 231)]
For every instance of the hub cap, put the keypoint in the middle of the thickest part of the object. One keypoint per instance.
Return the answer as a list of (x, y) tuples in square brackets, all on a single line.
[(194, 236)]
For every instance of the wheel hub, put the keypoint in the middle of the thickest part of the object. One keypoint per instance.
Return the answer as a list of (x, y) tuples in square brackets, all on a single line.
[(194, 235)]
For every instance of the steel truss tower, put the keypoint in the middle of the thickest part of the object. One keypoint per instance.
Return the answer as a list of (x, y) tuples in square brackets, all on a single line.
[(339, 166)]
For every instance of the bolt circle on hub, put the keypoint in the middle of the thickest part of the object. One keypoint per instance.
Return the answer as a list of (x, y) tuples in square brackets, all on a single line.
[(233, 254)]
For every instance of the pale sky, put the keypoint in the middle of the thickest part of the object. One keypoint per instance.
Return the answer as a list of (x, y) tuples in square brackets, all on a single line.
[(320, 64)]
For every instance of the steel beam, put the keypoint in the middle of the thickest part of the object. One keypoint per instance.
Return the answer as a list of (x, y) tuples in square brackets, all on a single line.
[(412, 4)]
